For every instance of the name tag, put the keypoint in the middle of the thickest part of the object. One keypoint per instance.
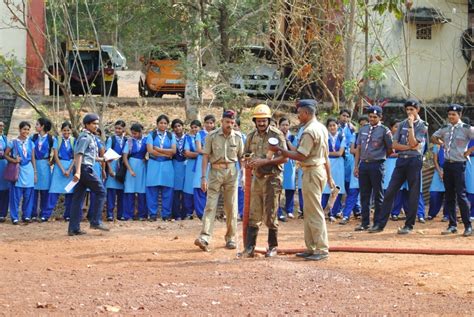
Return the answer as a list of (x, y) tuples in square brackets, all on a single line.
[(365, 133)]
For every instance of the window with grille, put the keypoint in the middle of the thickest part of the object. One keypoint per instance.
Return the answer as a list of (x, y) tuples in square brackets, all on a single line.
[(423, 31)]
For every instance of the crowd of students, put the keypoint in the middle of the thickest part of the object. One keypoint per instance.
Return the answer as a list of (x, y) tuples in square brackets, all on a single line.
[(163, 178)]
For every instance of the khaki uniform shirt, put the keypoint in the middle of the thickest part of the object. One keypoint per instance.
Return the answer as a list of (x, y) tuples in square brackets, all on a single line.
[(222, 149), (257, 144), (314, 144)]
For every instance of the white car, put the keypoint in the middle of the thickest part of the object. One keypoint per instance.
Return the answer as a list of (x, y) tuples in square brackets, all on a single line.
[(254, 71)]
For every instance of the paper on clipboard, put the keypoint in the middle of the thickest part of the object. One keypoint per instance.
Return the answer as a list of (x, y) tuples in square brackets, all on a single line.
[(111, 155), (70, 186)]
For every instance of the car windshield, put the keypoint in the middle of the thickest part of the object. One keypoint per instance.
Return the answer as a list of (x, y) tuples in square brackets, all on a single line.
[(242, 54), (170, 53)]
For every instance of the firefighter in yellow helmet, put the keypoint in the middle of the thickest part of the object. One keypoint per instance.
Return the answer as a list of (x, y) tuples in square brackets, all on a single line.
[(266, 182)]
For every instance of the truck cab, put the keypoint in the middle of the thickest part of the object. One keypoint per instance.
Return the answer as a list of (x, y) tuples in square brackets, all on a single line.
[(89, 68)]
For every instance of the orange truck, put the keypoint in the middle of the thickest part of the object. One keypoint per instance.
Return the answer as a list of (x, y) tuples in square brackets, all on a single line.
[(162, 72)]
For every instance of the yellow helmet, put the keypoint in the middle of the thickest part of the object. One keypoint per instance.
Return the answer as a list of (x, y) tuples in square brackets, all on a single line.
[(261, 111)]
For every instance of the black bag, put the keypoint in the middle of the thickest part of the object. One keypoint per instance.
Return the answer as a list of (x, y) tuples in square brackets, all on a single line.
[(121, 171)]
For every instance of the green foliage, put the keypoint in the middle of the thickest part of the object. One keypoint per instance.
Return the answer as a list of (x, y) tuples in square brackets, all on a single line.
[(394, 7), (10, 71), (351, 88)]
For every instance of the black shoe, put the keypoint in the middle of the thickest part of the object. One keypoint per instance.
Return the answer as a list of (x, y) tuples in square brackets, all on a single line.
[(271, 252), (76, 233), (357, 216), (304, 254), (203, 245), (450, 230), (405, 230), (300, 216), (282, 219), (43, 219), (467, 232), (27, 220), (374, 229), (429, 218), (66, 219), (445, 219), (100, 227), (421, 220), (361, 228), (317, 257), (2, 219), (109, 219), (15, 222), (153, 218), (394, 217), (230, 245)]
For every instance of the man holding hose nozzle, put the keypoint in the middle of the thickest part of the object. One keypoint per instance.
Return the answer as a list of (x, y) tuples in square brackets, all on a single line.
[(312, 152), (266, 182)]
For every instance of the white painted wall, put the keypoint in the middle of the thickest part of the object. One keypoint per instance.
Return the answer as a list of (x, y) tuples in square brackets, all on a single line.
[(12, 38), (436, 66)]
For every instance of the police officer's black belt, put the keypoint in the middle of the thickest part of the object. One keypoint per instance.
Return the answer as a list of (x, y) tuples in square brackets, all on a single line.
[(453, 162), (373, 161), (408, 156)]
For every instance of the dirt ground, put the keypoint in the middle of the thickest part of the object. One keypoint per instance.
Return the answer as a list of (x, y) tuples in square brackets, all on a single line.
[(153, 268)]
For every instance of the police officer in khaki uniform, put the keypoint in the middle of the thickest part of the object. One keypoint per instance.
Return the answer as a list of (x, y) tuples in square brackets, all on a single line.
[(266, 182), (223, 149), (312, 152), (455, 137)]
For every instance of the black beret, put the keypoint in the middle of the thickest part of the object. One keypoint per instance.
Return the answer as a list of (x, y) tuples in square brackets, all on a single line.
[(455, 107), (412, 103), (309, 103), (90, 117), (375, 109)]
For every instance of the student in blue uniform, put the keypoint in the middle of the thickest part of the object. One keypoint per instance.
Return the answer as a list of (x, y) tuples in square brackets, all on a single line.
[(437, 186), (348, 130), (21, 151), (337, 147), (4, 185), (409, 140), (161, 145), (352, 199), (114, 187), (191, 154), (135, 183), (455, 136), (179, 166), (63, 152), (240, 190), (43, 146), (289, 172), (470, 179), (199, 195)]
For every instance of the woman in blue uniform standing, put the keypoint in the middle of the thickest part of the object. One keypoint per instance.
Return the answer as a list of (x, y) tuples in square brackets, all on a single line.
[(135, 183), (437, 186), (4, 185), (240, 188), (114, 187), (179, 166), (352, 199), (21, 151), (63, 152), (43, 147), (337, 146), (191, 154), (470, 179), (289, 172), (161, 145), (199, 195)]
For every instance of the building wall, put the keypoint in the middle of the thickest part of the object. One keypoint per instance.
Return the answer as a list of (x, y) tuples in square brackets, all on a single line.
[(12, 40), (435, 67)]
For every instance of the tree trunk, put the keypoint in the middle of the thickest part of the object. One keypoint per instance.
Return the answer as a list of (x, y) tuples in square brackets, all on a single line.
[(349, 44)]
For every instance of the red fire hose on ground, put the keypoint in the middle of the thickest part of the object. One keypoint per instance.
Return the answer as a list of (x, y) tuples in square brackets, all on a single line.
[(357, 249)]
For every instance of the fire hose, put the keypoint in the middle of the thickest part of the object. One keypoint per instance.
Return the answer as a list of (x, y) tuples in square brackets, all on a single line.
[(356, 249)]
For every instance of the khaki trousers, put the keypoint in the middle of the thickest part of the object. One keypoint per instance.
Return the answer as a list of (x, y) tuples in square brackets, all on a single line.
[(264, 201), (227, 179), (315, 231)]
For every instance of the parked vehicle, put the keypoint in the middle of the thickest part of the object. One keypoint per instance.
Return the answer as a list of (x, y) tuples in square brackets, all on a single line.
[(119, 61), (90, 69), (161, 73), (255, 72)]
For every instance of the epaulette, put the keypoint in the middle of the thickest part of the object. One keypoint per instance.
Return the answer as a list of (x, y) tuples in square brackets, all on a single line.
[(275, 130), (466, 126), (238, 133)]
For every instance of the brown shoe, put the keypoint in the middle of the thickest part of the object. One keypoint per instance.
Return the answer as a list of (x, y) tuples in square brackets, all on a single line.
[(203, 245)]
